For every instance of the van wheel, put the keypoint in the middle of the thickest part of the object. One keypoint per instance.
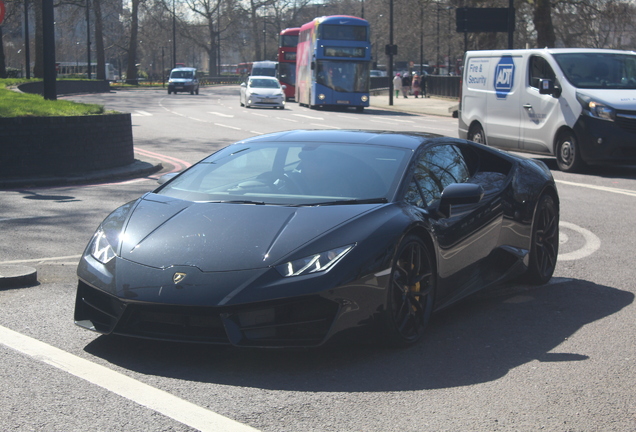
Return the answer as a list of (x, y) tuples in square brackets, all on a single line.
[(567, 152), (476, 134)]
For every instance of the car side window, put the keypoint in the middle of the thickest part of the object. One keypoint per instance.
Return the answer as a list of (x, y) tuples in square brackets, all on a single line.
[(540, 69), (436, 168)]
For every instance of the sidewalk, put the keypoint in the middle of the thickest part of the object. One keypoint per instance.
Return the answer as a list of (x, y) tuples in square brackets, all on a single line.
[(432, 105)]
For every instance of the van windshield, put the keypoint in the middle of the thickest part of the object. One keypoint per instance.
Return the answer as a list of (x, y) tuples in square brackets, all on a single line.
[(181, 74), (599, 70)]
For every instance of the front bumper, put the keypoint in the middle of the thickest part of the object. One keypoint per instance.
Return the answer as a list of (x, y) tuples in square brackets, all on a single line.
[(603, 141)]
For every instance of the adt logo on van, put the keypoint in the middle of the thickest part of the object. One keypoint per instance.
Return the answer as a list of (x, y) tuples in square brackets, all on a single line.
[(504, 76)]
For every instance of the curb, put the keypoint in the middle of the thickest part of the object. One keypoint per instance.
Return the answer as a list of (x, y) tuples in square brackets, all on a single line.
[(135, 170)]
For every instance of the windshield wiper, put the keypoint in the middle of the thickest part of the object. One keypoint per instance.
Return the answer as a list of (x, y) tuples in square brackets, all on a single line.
[(348, 201), (237, 202)]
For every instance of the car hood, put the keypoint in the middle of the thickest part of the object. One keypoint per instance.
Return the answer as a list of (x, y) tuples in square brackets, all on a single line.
[(215, 237), (616, 98), (265, 91)]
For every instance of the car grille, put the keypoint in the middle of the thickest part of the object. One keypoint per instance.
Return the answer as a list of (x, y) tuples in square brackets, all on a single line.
[(295, 322), (626, 120)]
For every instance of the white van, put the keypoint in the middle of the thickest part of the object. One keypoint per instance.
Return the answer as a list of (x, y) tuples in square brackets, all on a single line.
[(576, 104)]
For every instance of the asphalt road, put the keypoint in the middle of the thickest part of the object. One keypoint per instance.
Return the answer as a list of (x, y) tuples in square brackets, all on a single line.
[(560, 357)]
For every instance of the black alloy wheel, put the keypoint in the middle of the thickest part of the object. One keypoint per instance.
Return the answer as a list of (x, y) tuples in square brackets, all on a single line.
[(476, 134), (567, 153), (545, 241), (411, 292)]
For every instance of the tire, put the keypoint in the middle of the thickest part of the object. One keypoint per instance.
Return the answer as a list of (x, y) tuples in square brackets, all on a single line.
[(242, 104), (568, 154), (476, 134), (544, 248), (169, 92), (360, 109), (410, 293), (197, 91)]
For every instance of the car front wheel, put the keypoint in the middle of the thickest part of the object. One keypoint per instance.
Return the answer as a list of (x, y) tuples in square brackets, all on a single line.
[(476, 134), (567, 152), (410, 293), (545, 241)]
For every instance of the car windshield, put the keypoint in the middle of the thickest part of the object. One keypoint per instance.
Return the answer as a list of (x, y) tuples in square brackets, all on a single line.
[(599, 70), (293, 174), (264, 83), (181, 74)]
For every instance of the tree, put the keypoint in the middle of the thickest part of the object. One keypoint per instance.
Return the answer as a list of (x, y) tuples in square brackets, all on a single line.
[(131, 71)]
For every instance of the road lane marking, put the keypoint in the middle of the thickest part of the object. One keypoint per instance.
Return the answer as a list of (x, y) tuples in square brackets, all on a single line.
[(324, 126), (258, 114), (592, 243), (221, 114), (600, 188), (157, 400), (139, 113), (38, 260), (227, 126), (309, 117)]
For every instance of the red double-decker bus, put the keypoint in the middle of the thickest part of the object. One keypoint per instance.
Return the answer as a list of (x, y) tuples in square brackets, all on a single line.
[(287, 42)]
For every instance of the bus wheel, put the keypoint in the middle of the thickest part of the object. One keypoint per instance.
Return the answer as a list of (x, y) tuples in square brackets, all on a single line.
[(360, 109)]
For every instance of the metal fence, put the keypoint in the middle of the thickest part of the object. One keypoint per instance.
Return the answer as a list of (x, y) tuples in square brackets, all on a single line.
[(436, 85)]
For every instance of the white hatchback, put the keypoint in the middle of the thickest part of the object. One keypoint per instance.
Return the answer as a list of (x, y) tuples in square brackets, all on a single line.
[(262, 91)]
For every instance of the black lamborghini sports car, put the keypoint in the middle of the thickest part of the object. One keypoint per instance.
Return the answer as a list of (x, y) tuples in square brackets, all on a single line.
[(299, 237)]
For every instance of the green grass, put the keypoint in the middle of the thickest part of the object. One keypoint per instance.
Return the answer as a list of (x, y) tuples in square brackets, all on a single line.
[(16, 104)]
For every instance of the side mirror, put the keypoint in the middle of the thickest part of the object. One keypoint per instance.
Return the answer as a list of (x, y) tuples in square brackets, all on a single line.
[(546, 86), (283, 86), (459, 193), (243, 84)]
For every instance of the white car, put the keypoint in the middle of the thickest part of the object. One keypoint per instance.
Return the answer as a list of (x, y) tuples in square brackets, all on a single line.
[(262, 91)]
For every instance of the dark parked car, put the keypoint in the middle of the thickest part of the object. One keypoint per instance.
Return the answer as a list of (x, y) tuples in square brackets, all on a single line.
[(300, 237)]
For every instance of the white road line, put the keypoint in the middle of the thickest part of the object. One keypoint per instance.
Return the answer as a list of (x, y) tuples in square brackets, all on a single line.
[(287, 119), (309, 117), (73, 257), (258, 133), (592, 243), (221, 114), (142, 113), (157, 400), (324, 126), (226, 126), (258, 114), (601, 188)]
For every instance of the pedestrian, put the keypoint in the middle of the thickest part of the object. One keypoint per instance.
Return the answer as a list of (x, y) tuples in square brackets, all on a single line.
[(397, 84), (415, 86), (406, 84)]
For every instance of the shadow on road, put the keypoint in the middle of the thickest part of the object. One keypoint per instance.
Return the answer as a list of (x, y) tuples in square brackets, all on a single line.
[(476, 341)]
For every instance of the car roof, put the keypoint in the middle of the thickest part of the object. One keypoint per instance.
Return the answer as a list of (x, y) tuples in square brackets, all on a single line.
[(408, 140), (184, 69), (263, 77)]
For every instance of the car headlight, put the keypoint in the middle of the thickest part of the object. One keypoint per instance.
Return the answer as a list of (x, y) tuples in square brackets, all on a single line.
[(100, 247), (319, 262), (597, 109)]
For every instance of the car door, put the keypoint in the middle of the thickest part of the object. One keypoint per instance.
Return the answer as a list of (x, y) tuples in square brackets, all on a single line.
[(541, 113), (471, 232)]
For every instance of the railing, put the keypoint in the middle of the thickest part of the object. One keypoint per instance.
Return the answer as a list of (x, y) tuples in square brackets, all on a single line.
[(436, 85)]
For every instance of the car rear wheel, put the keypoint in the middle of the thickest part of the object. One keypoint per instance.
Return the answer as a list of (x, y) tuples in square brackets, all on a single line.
[(567, 152), (410, 292), (545, 241), (476, 134)]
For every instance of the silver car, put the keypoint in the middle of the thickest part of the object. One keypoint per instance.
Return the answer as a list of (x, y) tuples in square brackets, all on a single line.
[(262, 91)]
